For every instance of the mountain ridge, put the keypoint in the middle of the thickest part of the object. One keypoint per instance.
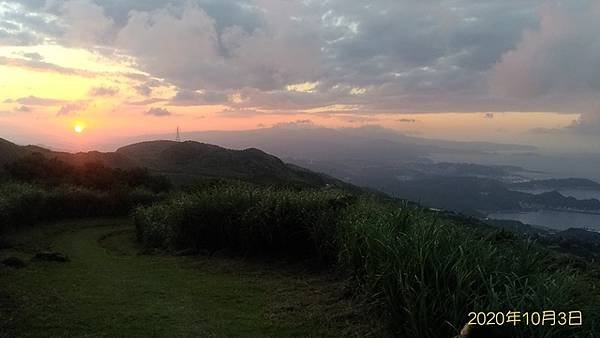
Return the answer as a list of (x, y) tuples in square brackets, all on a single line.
[(185, 162)]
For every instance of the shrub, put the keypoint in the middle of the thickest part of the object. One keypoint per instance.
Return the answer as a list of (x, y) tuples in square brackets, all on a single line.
[(26, 204), (245, 220)]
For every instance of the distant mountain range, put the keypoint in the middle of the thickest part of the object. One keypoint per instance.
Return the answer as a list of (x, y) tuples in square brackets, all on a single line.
[(368, 157), (478, 196), (310, 142), (558, 184), (184, 162)]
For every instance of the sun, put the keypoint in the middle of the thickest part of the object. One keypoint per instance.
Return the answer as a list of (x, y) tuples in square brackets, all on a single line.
[(79, 128)]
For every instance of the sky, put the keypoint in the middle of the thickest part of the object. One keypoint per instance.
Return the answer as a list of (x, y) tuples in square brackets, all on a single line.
[(510, 71)]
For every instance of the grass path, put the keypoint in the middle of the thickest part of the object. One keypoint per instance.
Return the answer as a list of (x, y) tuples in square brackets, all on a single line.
[(108, 289)]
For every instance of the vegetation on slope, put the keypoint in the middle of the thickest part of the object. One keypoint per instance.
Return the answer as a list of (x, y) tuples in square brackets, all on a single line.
[(40, 189), (36, 168), (186, 161), (26, 204), (424, 274), (182, 162), (243, 219)]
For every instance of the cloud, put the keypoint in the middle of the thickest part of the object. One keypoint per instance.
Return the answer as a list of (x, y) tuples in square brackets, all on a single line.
[(557, 62), (36, 101), (23, 109), (34, 56), (12, 38), (194, 98), (588, 124), (388, 47), (488, 115), (143, 89), (86, 21), (298, 124), (158, 112), (103, 91), (356, 118), (71, 109), (41, 66), (546, 131), (216, 57), (384, 56), (556, 66), (404, 120), (147, 86), (33, 20), (160, 35), (241, 113), (146, 102)]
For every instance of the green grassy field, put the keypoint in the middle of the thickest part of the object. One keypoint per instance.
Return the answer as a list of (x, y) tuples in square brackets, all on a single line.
[(109, 289), (420, 272)]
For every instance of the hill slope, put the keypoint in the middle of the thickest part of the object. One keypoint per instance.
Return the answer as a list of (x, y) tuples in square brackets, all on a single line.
[(185, 162), (191, 159), (10, 152)]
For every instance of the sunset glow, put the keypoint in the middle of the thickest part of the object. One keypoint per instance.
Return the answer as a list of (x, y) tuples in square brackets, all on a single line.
[(272, 71), (79, 128)]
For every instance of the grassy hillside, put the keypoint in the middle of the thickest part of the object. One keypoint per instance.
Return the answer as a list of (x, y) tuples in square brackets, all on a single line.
[(184, 162), (422, 273), (9, 152)]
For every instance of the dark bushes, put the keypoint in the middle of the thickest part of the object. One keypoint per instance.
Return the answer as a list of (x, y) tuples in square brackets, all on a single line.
[(38, 169), (36, 188), (246, 220), (26, 204)]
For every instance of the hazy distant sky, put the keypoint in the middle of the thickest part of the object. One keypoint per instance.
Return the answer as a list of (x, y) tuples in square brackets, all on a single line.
[(496, 70)]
